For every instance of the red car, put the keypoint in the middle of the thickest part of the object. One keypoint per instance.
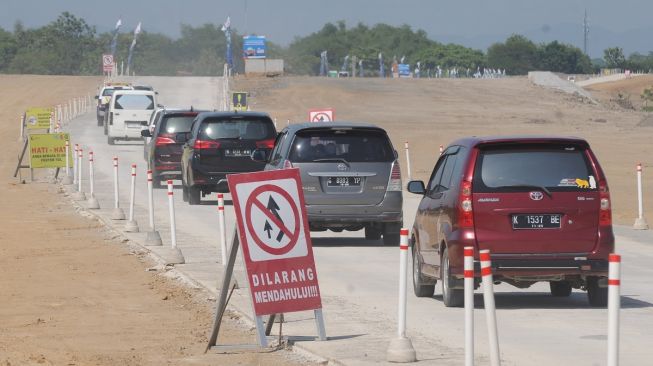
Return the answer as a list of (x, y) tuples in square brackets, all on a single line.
[(540, 204)]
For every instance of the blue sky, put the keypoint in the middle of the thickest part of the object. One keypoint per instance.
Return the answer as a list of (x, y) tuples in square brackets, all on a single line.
[(474, 23)]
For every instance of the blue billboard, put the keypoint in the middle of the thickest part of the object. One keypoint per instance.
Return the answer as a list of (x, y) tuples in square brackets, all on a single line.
[(404, 70), (254, 46)]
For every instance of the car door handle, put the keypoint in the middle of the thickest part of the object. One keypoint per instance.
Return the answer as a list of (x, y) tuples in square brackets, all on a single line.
[(116, 113)]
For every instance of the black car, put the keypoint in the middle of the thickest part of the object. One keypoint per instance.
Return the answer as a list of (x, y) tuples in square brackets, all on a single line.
[(221, 143), (164, 146)]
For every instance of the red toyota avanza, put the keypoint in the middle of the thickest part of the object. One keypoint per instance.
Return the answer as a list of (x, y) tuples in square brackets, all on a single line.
[(541, 205)]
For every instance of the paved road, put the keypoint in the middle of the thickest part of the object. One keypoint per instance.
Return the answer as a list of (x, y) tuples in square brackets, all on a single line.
[(358, 278)]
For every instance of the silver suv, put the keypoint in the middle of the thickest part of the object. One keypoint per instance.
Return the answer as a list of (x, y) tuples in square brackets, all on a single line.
[(350, 176)]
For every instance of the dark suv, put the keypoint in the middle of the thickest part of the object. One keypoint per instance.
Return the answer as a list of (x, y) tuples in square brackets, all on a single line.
[(221, 143), (164, 147), (350, 176), (541, 205)]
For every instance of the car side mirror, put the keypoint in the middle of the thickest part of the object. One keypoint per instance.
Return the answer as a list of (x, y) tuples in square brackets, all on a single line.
[(396, 154), (260, 155), (416, 186), (146, 133), (97, 97)]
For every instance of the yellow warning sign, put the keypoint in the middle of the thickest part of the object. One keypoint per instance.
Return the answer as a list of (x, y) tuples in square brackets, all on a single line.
[(48, 150), (239, 101), (37, 118)]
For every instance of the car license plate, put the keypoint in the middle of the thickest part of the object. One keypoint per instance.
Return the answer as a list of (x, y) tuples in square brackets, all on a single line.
[(344, 181), (237, 152), (536, 221)]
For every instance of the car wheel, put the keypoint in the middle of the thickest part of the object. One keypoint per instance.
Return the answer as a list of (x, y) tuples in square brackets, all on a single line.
[(596, 295), (194, 195), (100, 122), (421, 289), (184, 193), (451, 297), (560, 288), (372, 233), (391, 233), (111, 141)]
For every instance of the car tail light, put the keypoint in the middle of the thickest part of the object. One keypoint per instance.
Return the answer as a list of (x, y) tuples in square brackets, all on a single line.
[(465, 213), (287, 164), (265, 144), (164, 139), (394, 184), (605, 212), (205, 144)]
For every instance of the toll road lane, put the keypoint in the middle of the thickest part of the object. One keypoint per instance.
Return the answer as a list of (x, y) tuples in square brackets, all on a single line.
[(358, 279)]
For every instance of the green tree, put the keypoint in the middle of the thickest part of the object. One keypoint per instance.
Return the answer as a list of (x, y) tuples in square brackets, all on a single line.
[(518, 55), (614, 57), (7, 48), (559, 57)]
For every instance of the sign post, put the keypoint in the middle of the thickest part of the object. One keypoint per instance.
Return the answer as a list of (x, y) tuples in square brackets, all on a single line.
[(277, 250), (321, 115)]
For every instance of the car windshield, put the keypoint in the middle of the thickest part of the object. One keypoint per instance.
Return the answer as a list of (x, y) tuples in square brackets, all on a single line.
[(350, 145), (554, 168), (134, 102), (176, 124), (242, 129)]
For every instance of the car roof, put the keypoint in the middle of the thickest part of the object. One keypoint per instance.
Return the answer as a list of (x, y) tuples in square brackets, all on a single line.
[(328, 125), (204, 115), (182, 110), (474, 141), (134, 92)]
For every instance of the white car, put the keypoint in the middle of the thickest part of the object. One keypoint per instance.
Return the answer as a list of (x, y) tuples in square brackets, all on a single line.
[(129, 113)]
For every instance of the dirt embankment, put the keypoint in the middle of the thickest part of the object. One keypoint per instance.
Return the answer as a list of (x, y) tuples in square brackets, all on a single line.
[(431, 112), (71, 293)]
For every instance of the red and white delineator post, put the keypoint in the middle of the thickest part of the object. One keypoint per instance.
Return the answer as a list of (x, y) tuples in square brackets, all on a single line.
[(92, 202), (490, 312), (223, 231), (410, 175), (401, 348), (469, 305), (640, 221), (75, 170), (67, 179), (79, 195), (153, 237), (132, 226), (176, 257), (614, 305), (117, 213)]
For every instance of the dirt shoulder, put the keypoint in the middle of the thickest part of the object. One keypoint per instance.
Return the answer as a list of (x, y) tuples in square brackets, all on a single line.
[(432, 112), (74, 293)]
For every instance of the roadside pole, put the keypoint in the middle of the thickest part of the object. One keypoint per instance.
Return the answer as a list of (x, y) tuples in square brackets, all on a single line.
[(75, 170), (490, 313), (92, 201), (67, 179), (401, 348), (153, 237), (223, 233), (132, 226), (441, 149), (176, 256), (640, 222), (79, 195), (614, 305), (410, 175), (469, 305), (117, 213)]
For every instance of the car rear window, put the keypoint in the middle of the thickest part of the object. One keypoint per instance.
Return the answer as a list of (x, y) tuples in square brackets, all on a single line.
[(242, 129), (352, 145), (134, 102), (176, 124), (107, 92), (521, 168)]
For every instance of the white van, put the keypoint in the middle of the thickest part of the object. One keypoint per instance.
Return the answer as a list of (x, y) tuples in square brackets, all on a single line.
[(129, 113)]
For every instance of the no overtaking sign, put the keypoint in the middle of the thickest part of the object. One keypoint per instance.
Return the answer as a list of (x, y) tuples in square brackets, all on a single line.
[(273, 231)]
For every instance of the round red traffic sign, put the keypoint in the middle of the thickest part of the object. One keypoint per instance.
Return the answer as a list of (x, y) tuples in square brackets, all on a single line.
[(321, 117), (292, 235)]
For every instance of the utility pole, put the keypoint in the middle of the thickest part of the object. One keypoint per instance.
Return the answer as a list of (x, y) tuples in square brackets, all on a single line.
[(586, 33)]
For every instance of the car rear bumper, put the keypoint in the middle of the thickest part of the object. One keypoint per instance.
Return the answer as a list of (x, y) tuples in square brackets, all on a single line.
[(539, 267)]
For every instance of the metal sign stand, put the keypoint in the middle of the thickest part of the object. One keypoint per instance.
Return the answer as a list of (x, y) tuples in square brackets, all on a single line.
[(261, 331)]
